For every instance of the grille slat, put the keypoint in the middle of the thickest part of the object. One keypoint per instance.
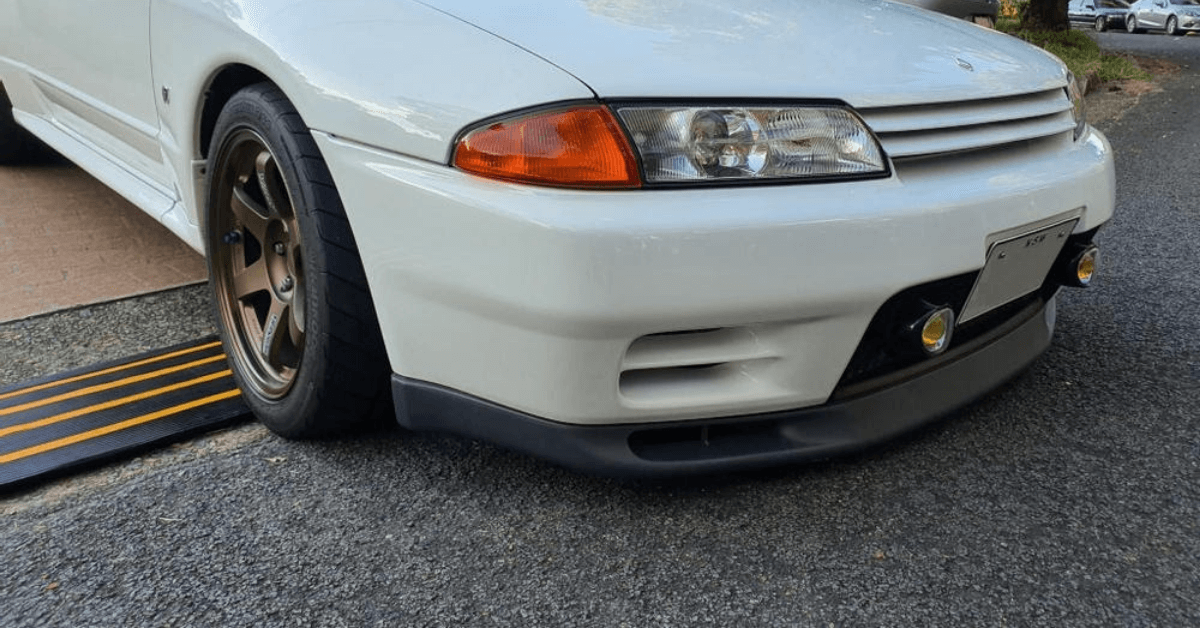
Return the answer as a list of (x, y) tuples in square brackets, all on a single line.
[(946, 128), (975, 137)]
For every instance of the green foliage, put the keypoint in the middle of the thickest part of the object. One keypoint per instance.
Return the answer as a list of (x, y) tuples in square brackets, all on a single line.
[(1114, 68), (1081, 54)]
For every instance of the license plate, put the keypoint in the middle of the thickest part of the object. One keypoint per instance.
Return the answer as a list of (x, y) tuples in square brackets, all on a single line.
[(1016, 266)]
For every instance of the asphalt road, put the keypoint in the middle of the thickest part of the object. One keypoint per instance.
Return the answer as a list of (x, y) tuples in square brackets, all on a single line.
[(1069, 498)]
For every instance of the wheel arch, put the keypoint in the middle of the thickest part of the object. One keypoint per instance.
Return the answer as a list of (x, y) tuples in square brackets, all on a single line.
[(201, 101), (221, 86)]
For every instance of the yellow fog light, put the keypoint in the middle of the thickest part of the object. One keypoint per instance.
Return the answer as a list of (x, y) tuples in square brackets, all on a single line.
[(1085, 265), (936, 328)]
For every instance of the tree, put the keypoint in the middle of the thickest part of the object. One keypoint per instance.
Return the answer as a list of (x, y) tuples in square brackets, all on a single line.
[(1045, 15)]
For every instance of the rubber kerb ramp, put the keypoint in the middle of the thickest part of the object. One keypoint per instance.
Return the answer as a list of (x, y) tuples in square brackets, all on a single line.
[(65, 422)]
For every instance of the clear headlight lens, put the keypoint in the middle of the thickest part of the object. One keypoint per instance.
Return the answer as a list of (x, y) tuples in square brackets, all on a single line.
[(696, 144), (1078, 104)]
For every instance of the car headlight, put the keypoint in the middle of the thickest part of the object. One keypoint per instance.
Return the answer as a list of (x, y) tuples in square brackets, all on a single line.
[(587, 146), (1078, 104), (686, 144)]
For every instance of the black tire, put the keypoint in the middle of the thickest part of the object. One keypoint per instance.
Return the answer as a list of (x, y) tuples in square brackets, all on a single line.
[(17, 146), (1131, 25), (1101, 24), (290, 295), (1172, 26)]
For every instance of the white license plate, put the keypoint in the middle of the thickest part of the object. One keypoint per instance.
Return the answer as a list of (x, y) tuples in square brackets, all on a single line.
[(1016, 266)]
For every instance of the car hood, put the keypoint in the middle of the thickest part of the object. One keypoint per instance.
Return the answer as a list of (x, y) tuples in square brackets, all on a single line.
[(868, 53)]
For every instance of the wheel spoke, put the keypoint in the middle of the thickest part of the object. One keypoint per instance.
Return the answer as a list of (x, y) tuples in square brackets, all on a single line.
[(252, 279), (278, 318), (271, 183), (250, 214)]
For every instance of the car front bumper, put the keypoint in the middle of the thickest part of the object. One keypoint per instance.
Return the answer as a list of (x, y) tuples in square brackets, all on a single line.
[(661, 307), (1189, 23), (868, 417)]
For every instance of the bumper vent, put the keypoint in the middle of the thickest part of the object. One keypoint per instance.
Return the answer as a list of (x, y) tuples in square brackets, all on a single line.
[(708, 365), (931, 130)]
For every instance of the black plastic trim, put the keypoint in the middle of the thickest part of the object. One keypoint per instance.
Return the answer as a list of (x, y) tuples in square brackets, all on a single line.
[(732, 443)]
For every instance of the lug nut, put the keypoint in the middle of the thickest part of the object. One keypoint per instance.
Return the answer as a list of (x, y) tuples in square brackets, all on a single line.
[(280, 249), (233, 237), (287, 285)]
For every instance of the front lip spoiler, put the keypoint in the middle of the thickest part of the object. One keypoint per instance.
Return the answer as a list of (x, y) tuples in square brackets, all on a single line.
[(736, 443)]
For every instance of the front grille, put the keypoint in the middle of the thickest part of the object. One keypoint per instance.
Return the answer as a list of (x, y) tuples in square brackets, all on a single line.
[(930, 130)]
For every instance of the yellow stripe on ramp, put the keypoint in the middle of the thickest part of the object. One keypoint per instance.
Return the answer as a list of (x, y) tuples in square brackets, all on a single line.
[(59, 418), (115, 427), (109, 386), (115, 369)]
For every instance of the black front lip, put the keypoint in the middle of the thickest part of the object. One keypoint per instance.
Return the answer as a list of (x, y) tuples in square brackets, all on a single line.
[(746, 442)]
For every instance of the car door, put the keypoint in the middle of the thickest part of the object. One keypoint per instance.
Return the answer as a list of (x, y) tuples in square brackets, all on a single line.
[(1137, 9), (90, 59), (1079, 11), (1157, 17)]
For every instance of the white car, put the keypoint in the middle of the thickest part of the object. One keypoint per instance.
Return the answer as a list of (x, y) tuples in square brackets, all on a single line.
[(1173, 16), (634, 237), (965, 9)]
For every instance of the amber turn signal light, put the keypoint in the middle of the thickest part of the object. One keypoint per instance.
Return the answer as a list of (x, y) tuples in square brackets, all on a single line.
[(578, 147)]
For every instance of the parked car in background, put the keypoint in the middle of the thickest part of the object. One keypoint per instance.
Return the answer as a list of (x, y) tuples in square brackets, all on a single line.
[(1172, 16), (639, 238), (975, 10), (1099, 14)]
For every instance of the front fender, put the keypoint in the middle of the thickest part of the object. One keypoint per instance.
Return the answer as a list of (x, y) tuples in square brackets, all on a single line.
[(388, 73)]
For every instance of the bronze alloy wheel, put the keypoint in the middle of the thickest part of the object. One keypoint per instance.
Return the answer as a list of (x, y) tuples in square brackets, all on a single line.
[(289, 289), (258, 269)]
